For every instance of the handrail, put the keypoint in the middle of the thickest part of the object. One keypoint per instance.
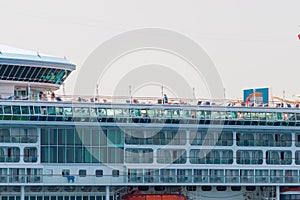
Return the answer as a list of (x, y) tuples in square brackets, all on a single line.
[(278, 102)]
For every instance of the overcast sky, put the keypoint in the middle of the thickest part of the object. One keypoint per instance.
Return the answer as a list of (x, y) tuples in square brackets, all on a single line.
[(252, 43)]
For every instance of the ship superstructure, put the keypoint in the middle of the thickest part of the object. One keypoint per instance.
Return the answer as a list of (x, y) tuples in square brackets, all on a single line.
[(57, 148)]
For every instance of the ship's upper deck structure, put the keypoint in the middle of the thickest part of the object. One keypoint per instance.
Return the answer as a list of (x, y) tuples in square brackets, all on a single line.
[(23, 72), (94, 148)]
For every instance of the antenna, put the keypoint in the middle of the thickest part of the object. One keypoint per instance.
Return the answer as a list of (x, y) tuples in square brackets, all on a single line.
[(130, 93), (129, 87), (194, 93), (37, 53), (64, 90), (97, 90), (254, 97)]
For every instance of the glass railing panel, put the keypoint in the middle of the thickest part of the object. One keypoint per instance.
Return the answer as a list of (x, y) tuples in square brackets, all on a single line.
[(25, 110), (59, 111), (152, 113), (276, 176), (151, 176), (217, 176), (200, 114), (51, 110), (185, 113), (168, 175), (118, 112), (247, 176), (167, 113), (7, 109), (101, 112), (184, 175), (291, 176), (67, 111), (16, 110), (232, 176), (133, 112)]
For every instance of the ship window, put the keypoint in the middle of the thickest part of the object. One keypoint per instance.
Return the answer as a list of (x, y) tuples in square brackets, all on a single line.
[(25, 110), (9, 152), (139, 155), (221, 188), (37, 110), (7, 109), (115, 173), (65, 172), (7, 71), (16, 110), (143, 188), (206, 188), (236, 188), (82, 173), (2, 70), (250, 188), (51, 110), (99, 173), (159, 188), (191, 188), (30, 154)]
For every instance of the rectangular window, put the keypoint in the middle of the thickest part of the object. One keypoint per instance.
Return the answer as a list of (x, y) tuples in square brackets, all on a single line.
[(99, 173), (115, 173), (82, 172), (65, 172), (30, 154)]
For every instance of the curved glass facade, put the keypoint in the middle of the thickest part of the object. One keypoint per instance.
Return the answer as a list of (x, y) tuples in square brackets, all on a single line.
[(33, 74)]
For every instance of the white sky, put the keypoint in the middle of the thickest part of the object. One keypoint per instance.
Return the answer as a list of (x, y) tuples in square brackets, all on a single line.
[(253, 43)]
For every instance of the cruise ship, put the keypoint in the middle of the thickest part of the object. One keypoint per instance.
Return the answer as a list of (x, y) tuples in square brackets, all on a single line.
[(101, 148)]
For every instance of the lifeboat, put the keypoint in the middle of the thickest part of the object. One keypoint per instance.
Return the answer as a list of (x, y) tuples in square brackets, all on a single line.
[(154, 197), (137, 195)]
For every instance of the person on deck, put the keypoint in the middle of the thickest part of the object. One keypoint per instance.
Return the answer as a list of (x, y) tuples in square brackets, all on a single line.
[(166, 98)]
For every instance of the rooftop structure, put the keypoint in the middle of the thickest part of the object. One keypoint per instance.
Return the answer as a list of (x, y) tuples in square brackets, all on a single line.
[(23, 73)]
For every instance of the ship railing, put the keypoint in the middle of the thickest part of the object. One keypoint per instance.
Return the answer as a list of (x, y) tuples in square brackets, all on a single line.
[(116, 99), (124, 179), (145, 100)]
